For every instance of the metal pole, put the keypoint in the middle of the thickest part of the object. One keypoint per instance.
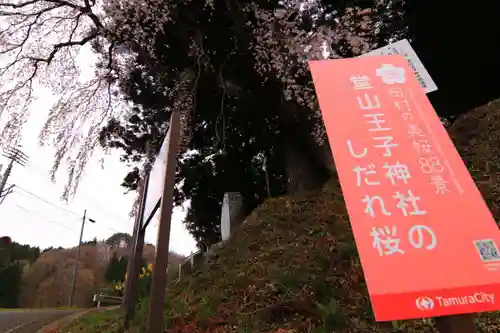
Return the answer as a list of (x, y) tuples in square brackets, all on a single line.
[(134, 264), (132, 249), (77, 261), (157, 293), (137, 268)]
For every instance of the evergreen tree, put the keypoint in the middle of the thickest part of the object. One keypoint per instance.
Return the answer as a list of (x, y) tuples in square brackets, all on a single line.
[(111, 275), (92, 242), (119, 237), (236, 70), (10, 285), (24, 252), (12, 260), (117, 267), (121, 269)]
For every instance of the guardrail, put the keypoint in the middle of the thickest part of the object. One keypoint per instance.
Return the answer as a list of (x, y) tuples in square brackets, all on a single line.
[(106, 298)]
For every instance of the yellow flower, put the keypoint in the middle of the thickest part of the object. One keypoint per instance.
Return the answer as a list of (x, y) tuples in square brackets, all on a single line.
[(118, 286)]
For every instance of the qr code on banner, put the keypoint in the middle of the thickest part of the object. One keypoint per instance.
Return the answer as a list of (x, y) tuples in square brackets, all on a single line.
[(487, 249)]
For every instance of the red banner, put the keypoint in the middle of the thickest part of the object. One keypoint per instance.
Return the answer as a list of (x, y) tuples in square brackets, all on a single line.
[(427, 241)]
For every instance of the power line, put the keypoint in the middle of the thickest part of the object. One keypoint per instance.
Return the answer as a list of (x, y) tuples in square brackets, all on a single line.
[(34, 167), (43, 217), (106, 226), (87, 196), (45, 173), (46, 201)]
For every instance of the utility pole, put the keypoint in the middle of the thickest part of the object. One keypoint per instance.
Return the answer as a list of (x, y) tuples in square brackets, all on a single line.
[(72, 292), (16, 156)]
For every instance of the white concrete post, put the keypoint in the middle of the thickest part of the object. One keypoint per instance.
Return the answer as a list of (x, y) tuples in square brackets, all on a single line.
[(232, 205)]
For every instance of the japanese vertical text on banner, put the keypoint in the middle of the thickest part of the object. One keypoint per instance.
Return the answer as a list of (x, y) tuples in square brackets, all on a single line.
[(404, 184)]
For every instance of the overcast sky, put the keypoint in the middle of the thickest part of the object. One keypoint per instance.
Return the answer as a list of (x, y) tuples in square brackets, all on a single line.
[(33, 214)]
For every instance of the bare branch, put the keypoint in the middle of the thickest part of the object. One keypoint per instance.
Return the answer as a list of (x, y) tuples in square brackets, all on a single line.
[(18, 5), (59, 46), (110, 56), (66, 3), (39, 42)]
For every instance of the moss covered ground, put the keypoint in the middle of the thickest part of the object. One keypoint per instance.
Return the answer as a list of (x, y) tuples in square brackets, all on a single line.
[(293, 265)]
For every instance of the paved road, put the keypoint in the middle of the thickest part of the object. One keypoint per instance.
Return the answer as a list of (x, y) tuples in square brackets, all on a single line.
[(29, 321)]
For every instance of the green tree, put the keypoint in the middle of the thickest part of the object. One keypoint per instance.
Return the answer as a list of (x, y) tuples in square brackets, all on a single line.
[(13, 258), (92, 242), (122, 268), (218, 50), (24, 252), (51, 248), (118, 238), (117, 267), (235, 67), (10, 284)]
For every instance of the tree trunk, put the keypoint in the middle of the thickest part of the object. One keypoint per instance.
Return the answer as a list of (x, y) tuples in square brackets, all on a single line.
[(299, 171), (305, 165)]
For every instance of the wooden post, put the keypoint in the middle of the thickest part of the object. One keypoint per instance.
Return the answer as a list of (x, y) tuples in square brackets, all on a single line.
[(456, 324), (157, 294)]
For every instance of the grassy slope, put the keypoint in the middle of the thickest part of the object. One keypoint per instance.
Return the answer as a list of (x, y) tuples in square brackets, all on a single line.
[(294, 265)]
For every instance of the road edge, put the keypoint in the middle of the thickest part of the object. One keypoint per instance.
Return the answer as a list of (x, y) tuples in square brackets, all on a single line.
[(57, 324)]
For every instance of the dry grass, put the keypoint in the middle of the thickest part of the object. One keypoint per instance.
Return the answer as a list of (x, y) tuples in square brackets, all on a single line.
[(477, 138), (293, 266)]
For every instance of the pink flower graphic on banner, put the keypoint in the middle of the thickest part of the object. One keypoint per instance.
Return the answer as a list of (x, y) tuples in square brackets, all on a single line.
[(391, 74)]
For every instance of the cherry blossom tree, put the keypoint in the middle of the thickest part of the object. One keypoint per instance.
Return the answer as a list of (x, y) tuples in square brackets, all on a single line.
[(39, 44), (240, 69), (40, 40)]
